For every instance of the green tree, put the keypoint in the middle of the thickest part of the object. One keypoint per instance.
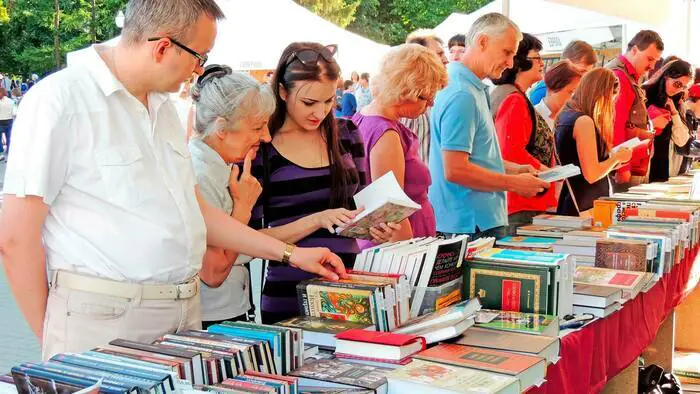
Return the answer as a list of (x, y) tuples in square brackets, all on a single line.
[(35, 43), (340, 12), (390, 21), (4, 17)]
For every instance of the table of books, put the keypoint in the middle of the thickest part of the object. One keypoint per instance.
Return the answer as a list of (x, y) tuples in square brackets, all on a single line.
[(598, 352)]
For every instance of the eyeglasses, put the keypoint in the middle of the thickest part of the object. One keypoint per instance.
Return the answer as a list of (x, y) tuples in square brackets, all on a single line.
[(678, 84), (428, 99), (535, 58), (309, 57), (201, 58)]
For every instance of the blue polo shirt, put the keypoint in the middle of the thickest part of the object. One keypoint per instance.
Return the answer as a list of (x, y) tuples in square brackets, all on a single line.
[(538, 92), (461, 121)]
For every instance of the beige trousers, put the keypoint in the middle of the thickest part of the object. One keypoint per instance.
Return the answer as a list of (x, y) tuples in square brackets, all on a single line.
[(77, 321)]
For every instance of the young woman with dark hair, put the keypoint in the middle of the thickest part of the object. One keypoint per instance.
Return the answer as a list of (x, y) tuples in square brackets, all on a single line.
[(523, 134), (314, 163), (665, 93)]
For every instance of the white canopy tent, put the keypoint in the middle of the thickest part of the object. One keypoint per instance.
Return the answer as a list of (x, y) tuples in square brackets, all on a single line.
[(588, 19), (254, 34)]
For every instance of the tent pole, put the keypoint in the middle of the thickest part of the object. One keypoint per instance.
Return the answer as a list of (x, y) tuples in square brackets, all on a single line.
[(506, 8), (688, 27)]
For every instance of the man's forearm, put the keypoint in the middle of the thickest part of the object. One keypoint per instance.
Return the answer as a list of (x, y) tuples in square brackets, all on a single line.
[(26, 274), (478, 178)]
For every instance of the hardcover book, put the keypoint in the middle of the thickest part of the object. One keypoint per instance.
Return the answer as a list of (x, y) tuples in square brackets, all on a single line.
[(543, 231), (530, 370), (628, 255), (626, 280), (527, 242), (509, 341), (342, 372), (429, 377)]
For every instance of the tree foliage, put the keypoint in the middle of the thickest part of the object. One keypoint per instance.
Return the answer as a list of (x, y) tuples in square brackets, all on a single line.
[(340, 12), (28, 36)]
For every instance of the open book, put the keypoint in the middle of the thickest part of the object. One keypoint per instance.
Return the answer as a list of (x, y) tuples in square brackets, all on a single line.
[(632, 144), (559, 173), (384, 201)]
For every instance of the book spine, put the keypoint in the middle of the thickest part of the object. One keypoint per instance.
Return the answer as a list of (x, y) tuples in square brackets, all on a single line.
[(303, 299)]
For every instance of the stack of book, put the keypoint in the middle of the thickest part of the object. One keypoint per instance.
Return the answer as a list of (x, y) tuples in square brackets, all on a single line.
[(446, 367), (598, 301), (572, 222), (534, 230), (511, 341), (518, 322), (444, 324), (325, 375), (517, 280), (581, 244), (539, 244), (364, 298), (378, 348), (192, 361), (433, 266), (629, 282)]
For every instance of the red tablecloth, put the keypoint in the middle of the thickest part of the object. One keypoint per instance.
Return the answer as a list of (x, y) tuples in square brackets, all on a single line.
[(601, 350)]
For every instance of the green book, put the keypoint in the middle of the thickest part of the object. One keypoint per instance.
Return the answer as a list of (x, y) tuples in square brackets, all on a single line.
[(503, 287), (527, 323)]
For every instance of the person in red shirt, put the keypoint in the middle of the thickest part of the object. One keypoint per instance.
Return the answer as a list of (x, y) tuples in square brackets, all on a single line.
[(523, 134), (631, 117)]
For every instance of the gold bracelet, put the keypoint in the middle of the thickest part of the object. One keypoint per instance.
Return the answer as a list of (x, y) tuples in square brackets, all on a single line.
[(287, 256)]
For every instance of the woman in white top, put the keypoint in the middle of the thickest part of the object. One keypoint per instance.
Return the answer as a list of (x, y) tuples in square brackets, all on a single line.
[(561, 80), (7, 110), (232, 113)]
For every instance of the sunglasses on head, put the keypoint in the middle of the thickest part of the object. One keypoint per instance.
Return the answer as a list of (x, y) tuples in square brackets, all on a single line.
[(309, 57)]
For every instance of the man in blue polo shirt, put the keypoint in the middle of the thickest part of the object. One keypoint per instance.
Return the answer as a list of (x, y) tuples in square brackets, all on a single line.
[(470, 177)]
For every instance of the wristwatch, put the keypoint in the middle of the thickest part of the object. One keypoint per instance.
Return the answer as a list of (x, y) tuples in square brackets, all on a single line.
[(287, 256)]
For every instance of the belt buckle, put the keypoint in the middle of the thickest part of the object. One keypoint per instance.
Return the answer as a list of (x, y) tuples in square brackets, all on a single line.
[(178, 292)]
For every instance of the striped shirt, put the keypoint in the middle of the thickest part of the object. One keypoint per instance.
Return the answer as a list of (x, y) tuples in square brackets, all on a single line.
[(294, 192), (420, 126)]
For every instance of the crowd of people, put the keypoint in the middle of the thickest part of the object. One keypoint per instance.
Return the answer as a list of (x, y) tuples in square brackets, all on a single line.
[(134, 221)]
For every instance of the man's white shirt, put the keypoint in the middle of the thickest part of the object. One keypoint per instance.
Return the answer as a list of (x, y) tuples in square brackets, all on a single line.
[(117, 177)]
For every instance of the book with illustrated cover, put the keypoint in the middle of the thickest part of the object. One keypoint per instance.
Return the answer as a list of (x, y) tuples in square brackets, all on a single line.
[(384, 201), (630, 282), (427, 377), (527, 323), (530, 370), (342, 374), (628, 255), (357, 306)]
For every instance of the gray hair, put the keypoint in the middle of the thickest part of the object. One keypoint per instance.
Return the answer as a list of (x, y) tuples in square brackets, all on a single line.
[(492, 25), (231, 97), (173, 18)]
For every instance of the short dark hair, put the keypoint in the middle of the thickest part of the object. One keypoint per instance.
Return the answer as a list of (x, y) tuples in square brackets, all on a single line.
[(365, 76), (520, 61), (175, 18), (457, 40), (347, 84), (561, 75), (644, 39), (422, 37), (580, 52)]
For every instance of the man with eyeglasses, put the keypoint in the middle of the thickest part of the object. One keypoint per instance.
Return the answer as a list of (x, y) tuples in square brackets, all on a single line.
[(100, 192), (631, 117)]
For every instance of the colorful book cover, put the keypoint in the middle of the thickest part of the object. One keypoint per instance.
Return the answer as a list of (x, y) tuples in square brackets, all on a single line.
[(318, 324), (338, 371), (448, 262), (626, 280), (481, 358), (519, 256), (628, 255), (356, 306), (531, 242), (391, 212), (509, 288), (451, 378), (520, 322)]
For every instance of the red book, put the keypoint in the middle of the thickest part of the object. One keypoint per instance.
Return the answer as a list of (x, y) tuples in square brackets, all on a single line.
[(530, 370), (380, 345), (404, 361)]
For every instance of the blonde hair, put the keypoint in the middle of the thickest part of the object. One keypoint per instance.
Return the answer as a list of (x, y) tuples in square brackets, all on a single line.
[(406, 72), (594, 97)]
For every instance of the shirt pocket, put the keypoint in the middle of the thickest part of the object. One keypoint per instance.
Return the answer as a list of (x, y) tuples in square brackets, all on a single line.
[(123, 174)]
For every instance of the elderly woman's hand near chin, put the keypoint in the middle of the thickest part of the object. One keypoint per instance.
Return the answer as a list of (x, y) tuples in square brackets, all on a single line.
[(245, 190)]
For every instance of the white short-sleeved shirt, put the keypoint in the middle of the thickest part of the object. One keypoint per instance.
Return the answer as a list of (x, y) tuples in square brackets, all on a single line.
[(117, 177), (212, 173)]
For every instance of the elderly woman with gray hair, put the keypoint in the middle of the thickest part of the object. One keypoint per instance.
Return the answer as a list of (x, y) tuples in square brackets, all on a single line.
[(231, 121)]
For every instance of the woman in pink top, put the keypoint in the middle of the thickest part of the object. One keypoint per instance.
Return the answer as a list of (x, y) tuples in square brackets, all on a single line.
[(410, 75)]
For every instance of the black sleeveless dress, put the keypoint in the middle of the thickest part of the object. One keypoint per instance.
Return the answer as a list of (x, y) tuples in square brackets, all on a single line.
[(584, 192)]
